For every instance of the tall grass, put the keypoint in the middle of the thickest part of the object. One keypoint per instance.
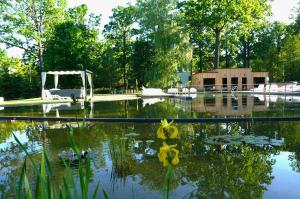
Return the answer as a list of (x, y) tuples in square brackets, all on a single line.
[(43, 186)]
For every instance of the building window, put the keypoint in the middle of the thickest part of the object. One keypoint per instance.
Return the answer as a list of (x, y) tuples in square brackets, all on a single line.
[(234, 83), (224, 84), (258, 80), (209, 84), (244, 83)]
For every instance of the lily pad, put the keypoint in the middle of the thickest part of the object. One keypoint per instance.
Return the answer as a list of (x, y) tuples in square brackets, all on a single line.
[(149, 141), (248, 139), (132, 134)]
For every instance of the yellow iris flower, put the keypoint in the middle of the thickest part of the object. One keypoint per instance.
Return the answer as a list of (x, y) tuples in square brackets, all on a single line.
[(168, 154), (167, 130)]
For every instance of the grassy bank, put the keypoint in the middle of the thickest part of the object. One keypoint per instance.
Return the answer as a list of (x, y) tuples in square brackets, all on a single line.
[(96, 98)]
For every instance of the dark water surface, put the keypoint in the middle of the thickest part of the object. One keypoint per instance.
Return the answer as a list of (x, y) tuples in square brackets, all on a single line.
[(233, 160)]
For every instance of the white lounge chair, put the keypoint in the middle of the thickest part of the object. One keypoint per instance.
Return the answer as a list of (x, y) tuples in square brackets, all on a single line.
[(260, 88), (193, 90), (185, 90), (272, 88), (153, 92), (49, 96), (173, 91)]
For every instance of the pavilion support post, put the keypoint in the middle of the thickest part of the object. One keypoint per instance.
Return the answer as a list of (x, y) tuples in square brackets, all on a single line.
[(83, 76), (90, 80), (55, 81), (44, 75)]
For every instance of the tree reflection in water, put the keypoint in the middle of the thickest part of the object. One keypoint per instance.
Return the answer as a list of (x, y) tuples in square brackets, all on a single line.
[(208, 170)]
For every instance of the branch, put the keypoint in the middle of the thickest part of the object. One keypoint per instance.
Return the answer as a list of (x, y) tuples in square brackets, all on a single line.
[(18, 46)]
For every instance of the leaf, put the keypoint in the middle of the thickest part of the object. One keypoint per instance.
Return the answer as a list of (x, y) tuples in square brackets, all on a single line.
[(43, 178), (105, 194), (21, 181), (87, 174), (27, 188), (96, 190), (167, 182)]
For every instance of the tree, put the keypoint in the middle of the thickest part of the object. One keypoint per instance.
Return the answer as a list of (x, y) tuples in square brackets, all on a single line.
[(222, 15), (120, 30), (27, 24), (267, 49), (17, 80), (158, 24), (296, 24), (142, 57), (73, 43), (290, 58)]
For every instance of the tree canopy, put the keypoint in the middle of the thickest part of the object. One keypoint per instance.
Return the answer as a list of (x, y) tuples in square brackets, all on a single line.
[(148, 43)]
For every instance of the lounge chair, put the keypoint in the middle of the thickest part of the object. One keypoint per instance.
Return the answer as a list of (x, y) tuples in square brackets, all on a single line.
[(173, 91), (153, 92), (272, 88), (260, 88), (185, 90), (193, 90)]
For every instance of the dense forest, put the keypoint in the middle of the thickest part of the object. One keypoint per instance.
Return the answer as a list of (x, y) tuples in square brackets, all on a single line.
[(145, 44)]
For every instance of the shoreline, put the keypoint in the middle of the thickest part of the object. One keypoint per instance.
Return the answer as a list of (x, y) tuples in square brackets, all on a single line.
[(96, 98)]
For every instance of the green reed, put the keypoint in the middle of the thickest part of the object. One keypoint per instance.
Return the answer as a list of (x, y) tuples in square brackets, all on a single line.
[(120, 157), (44, 187)]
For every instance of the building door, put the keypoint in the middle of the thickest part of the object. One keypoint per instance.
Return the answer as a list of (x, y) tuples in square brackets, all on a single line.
[(244, 83), (234, 83), (224, 84)]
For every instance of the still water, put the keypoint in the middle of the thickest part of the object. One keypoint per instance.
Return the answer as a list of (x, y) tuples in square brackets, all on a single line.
[(232, 160)]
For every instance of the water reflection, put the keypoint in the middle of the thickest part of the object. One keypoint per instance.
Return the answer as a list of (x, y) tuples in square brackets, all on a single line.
[(206, 170), (209, 105), (227, 105)]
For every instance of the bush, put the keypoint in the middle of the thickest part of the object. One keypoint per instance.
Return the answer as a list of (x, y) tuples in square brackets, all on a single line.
[(102, 90)]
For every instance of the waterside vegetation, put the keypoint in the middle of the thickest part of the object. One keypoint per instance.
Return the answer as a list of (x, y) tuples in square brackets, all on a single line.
[(144, 44)]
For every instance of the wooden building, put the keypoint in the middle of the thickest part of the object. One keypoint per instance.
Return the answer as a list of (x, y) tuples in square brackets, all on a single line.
[(228, 79)]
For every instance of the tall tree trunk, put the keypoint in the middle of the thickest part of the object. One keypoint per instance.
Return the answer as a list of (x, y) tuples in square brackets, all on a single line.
[(40, 57), (248, 53), (244, 53), (124, 61), (200, 60), (217, 48), (227, 59), (41, 64)]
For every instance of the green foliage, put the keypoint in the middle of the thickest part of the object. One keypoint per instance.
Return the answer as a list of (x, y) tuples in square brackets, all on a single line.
[(118, 32), (73, 44), (17, 80), (277, 51), (220, 16), (171, 50), (145, 44), (290, 58), (45, 188), (27, 24)]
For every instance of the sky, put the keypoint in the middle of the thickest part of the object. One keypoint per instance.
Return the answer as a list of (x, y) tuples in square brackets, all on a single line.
[(281, 9)]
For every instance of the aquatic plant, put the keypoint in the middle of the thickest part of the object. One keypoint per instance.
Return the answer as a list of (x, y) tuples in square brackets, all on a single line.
[(44, 187), (167, 130), (168, 154), (120, 158)]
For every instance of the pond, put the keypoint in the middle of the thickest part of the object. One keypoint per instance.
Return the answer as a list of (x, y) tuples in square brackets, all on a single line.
[(210, 105), (217, 160)]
